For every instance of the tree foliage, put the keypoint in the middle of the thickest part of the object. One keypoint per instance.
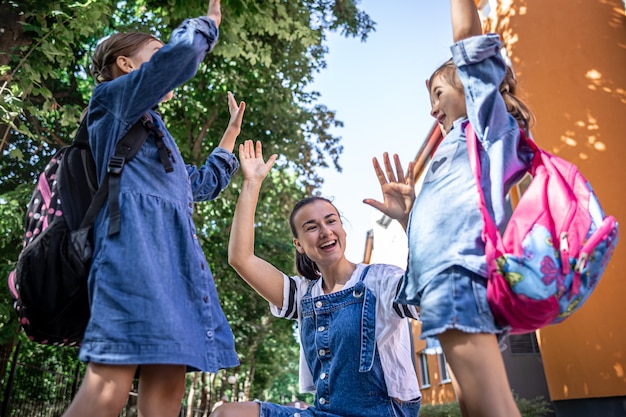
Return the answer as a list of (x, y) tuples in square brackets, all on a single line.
[(268, 54)]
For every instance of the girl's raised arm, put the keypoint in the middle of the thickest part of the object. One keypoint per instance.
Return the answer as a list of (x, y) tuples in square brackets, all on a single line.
[(262, 276), (215, 11), (465, 19)]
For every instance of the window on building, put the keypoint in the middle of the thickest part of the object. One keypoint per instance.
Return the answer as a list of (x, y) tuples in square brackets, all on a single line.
[(485, 7), (443, 369), (424, 375), (524, 344)]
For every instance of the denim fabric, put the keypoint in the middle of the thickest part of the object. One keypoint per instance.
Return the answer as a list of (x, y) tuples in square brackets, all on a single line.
[(456, 299), (398, 408), (338, 336), (393, 337), (445, 224), (152, 294)]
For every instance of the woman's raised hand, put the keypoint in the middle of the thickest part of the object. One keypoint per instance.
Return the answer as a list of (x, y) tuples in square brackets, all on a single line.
[(251, 160), (398, 189)]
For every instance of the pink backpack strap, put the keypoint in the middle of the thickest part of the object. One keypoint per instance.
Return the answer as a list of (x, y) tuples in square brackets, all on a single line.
[(491, 234)]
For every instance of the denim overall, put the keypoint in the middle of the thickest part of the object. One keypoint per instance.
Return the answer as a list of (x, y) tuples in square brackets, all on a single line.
[(338, 336)]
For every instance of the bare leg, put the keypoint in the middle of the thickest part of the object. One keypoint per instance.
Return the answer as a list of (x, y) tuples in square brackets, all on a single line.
[(476, 362), (459, 395), (161, 390), (247, 409), (103, 392)]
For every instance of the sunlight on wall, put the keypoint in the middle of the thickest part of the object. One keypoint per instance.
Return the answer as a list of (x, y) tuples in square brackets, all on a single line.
[(597, 83), (589, 129)]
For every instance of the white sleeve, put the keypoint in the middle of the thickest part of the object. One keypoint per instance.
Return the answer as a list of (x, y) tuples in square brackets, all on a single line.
[(290, 299), (388, 283), (393, 334)]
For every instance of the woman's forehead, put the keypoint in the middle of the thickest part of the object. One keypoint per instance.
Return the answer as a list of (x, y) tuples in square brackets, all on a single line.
[(315, 210)]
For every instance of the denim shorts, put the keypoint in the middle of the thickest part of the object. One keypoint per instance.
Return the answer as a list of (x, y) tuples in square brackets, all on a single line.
[(457, 299)]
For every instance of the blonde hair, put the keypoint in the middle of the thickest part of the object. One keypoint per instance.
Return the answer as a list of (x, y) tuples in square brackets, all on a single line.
[(508, 89)]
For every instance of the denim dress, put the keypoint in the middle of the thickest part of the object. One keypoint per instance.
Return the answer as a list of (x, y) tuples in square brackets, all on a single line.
[(153, 298), (339, 340)]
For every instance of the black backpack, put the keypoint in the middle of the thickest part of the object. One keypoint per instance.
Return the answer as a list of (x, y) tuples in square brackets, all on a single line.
[(49, 284)]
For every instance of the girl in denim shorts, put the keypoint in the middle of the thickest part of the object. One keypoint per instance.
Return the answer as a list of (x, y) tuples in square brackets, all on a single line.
[(354, 339), (446, 267)]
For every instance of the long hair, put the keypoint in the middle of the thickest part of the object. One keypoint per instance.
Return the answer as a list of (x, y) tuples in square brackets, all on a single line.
[(508, 89), (304, 265), (107, 51)]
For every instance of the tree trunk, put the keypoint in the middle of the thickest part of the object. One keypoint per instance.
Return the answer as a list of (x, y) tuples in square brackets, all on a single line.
[(12, 36), (190, 395)]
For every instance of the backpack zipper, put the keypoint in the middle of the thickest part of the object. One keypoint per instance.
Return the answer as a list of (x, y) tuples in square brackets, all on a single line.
[(600, 234)]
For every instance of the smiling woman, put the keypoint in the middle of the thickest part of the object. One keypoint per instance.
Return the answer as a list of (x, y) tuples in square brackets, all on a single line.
[(353, 336)]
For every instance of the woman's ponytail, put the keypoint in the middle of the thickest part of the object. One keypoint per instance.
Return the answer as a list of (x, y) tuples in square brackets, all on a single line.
[(306, 267)]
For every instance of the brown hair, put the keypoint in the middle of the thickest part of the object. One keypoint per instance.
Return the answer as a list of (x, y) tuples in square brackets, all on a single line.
[(508, 89), (304, 265), (107, 51)]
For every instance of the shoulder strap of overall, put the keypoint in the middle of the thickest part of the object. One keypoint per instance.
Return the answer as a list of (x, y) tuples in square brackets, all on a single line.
[(125, 150), (364, 272)]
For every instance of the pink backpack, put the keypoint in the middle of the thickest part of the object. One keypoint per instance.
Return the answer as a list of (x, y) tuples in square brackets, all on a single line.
[(557, 218)]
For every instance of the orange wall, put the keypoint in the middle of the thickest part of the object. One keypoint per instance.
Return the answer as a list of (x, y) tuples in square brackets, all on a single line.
[(570, 59)]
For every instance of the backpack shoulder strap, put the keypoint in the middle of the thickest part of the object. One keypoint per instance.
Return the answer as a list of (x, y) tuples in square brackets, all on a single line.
[(490, 235), (125, 150)]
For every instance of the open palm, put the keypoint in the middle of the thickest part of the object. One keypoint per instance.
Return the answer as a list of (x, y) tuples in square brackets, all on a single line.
[(398, 190), (251, 160)]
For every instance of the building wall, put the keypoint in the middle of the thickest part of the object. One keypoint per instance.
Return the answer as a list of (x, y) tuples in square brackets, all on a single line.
[(524, 367), (438, 391), (570, 58)]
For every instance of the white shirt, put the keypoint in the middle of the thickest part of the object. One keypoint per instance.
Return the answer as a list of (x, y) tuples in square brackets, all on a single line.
[(393, 335)]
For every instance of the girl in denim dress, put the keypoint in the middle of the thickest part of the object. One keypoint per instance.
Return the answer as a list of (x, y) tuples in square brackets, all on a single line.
[(354, 339), (446, 274), (153, 300)]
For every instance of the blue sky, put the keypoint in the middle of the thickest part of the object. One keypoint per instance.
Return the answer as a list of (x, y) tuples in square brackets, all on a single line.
[(377, 88)]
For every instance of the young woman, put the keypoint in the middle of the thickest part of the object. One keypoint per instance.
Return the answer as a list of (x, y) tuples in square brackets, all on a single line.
[(153, 300), (355, 340), (446, 273)]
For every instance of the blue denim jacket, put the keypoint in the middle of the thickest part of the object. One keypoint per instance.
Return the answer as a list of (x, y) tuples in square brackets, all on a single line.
[(152, 295), (445, 224)]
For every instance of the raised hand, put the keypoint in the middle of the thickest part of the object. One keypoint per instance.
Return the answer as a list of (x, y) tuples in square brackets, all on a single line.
[(253, 167), (215, 11), (234, 124), (236, 113), (397, 187)]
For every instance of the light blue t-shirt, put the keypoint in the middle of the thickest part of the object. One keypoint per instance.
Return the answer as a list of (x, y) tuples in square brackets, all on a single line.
[(445, 223)]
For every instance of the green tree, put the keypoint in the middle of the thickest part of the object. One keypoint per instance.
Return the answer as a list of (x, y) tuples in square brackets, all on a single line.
[(268, 54)]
